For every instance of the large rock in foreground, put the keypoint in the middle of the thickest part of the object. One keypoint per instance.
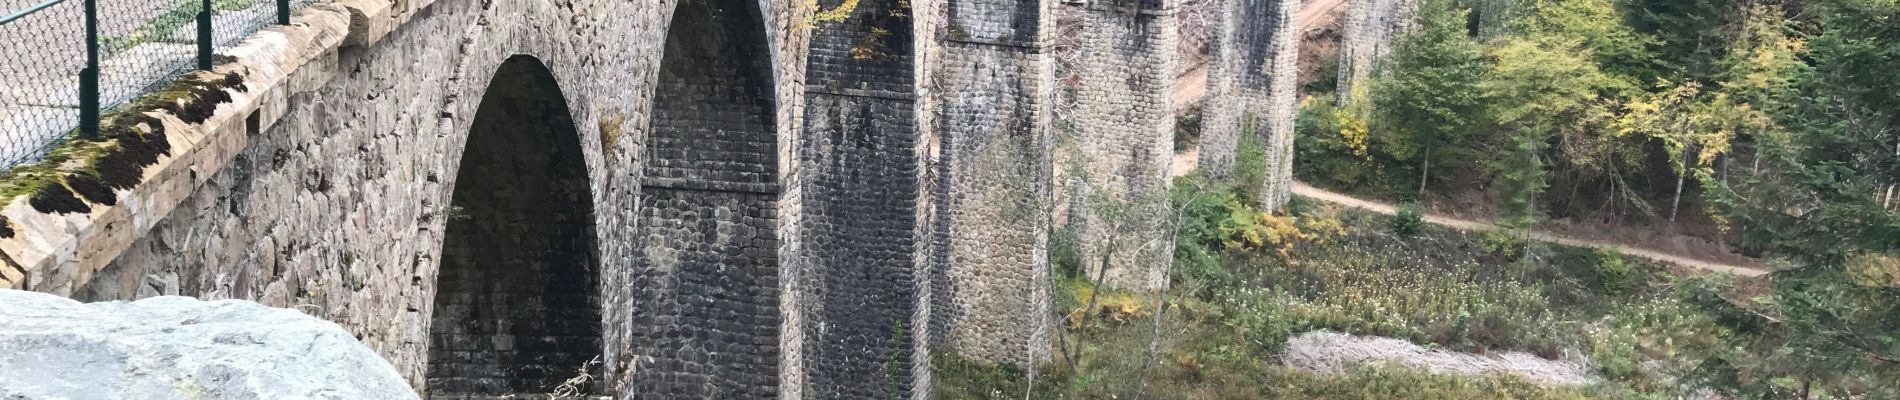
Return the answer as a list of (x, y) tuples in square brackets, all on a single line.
[(181, 348)]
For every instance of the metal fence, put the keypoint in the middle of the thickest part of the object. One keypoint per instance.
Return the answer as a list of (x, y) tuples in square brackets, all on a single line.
[(63, 61)]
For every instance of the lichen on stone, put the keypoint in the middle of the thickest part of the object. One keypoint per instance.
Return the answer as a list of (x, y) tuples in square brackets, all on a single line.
[(610, 131), (836, 14)]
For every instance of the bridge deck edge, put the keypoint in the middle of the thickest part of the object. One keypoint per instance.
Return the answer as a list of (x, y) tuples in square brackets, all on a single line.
[(59, 252)]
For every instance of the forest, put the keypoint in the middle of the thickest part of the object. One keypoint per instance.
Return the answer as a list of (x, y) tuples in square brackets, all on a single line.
[(1775, 123), (1764, 130)]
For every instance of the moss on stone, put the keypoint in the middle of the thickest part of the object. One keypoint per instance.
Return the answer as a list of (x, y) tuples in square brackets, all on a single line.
[(29, 179), (134, 149), (89, 188), (55, 198), (193, 99), (129, 140)]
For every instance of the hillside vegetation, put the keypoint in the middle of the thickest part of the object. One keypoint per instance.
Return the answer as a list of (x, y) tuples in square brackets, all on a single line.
[(1773, 124)]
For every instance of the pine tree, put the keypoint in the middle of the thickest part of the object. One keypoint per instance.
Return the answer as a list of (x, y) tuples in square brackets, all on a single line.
[(1813, 200), (1428, 101)]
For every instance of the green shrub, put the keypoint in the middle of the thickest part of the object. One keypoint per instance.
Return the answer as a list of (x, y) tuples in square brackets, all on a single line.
[(1653, 335), (1359, 293), (1249, 177), (1264, 319), (1196, 266), (1616, 275), (1063, 254), (1507, 244), (1203, 204), (1187, 129), (1409, 220), (1326, 78), (955, 377), (1334, 146), (1614, 352)]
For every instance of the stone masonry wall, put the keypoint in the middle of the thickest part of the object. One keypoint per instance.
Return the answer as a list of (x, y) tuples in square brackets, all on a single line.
[(1123, 143), (709, 207), (1230, 88), (339, 207), (927, 35), (1369, 29), (336, 201), (989, 182), (856, 270), (1251, 91), (1282, 104), (739, 251)]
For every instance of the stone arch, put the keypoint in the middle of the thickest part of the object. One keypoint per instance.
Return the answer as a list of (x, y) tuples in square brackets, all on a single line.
[(857, 292), (517, 302), (705, 309)]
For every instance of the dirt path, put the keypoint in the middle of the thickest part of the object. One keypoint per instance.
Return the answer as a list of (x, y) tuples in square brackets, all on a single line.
[(1311, 10), (1191, 85), (1305, 190)]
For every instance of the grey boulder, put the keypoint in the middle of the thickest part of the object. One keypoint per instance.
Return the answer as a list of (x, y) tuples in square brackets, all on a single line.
[(181, 348)]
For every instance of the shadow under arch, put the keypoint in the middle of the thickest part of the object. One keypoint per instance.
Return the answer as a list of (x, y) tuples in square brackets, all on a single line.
[(704, 315), (517, 305)]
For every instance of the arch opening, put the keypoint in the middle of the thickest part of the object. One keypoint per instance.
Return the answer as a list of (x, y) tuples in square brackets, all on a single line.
[(517, 302), (706, 274)]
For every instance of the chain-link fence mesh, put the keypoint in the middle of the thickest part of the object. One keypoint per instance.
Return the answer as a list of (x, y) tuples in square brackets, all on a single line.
[(41, 52), (141, 44)]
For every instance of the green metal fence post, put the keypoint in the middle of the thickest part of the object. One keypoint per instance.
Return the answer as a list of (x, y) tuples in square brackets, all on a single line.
[(204, 36), (283, 12), (89, 76)]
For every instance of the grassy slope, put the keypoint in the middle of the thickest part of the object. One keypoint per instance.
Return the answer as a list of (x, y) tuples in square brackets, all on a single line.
[(1224, 326)]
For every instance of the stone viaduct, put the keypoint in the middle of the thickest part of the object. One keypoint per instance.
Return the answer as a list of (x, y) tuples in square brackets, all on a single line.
[(1252, 91), (1370, 27), (687, 199), (1124, 141)]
